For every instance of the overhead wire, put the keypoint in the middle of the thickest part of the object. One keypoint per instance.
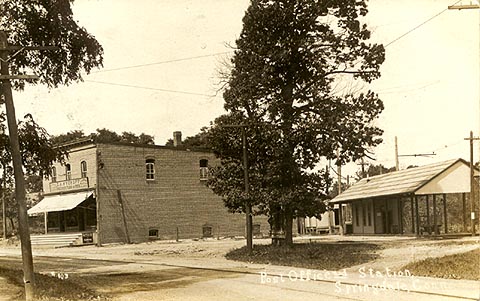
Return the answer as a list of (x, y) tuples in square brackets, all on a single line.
[(162, 62), (220, 53), (419, 25), (150, 88)]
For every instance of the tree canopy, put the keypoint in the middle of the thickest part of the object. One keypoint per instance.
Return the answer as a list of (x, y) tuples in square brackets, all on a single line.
[(291, 58), (48, 22), (105, 136)]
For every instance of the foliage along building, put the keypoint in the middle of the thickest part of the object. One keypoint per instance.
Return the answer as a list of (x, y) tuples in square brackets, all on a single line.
[(427, 199), (120, 192)]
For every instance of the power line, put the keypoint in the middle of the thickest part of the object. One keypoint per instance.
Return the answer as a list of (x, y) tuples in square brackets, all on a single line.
[(418, 26), (150, 88), (162, 62)]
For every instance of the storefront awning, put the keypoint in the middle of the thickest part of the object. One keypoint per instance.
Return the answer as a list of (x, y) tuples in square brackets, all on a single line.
[(60, 202)]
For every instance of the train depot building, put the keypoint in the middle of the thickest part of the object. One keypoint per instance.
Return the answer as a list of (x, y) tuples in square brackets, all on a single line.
[(119, 192), (431, 199)]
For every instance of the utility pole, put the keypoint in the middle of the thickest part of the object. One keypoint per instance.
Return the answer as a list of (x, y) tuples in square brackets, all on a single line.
[(397, 165), (472, 184), (340, 205), (248, 207), (6, 90), (471, 6), (4, 207), (362, 163)]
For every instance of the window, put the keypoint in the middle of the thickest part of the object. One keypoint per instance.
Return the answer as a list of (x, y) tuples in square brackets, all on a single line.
[(207, 231), (203, 169), (54, 174), (68, 172), (83, 169), (150, 169), (153, 233)]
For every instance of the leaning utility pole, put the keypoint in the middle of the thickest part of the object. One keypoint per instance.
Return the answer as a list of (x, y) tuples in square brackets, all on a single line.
[(6, 90), (248, 206)]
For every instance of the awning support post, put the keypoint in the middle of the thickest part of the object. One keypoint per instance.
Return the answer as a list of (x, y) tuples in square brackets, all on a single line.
[(417, 218), (428, 215), (445, 213), (435, 228), (45, 217), (412, 209), (340, 217), (464, 211)]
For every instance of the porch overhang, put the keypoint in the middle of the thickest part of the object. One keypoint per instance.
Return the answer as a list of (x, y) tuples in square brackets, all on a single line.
[(61, 202)]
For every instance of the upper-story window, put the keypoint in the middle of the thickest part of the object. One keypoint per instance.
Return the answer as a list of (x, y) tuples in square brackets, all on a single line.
[(68, 172), (54, 174), (203, 169), (150, 169), (83, 169)]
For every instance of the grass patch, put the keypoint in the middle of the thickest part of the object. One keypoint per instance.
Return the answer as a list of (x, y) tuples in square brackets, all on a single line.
[(330, 256), (50, 288), (458, 266)]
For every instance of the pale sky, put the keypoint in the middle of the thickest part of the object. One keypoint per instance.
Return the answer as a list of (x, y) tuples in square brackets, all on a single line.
[(429, 84)]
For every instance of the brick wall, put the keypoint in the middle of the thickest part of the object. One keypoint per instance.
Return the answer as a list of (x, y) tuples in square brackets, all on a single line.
[(175, 199), (76, 155)]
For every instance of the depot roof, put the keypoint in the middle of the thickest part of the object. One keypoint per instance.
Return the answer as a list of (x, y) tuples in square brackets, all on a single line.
[(452, 176)]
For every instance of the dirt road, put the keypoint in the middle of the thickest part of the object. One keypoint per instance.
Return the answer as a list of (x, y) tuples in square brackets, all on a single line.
[(197, 270)]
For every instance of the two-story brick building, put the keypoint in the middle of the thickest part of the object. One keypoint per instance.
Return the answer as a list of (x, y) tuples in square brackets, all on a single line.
[(132, 193)]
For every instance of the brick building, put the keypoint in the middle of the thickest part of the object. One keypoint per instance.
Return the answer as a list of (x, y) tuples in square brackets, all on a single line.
[(117, 192)]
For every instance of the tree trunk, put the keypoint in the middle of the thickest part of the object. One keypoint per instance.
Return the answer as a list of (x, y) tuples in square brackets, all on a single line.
[(278, 238), (288, 227), (12, 223)]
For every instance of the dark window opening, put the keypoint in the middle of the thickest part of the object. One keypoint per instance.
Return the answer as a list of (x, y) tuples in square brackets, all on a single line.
[(207, 231), (203, 169), (153, 233), (68, 172), (54, 174), (83, 169)]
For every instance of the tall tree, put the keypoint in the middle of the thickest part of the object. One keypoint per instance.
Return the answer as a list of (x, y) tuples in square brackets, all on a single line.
[(38, 154), (49, 22), (31, 24), (291, 56)]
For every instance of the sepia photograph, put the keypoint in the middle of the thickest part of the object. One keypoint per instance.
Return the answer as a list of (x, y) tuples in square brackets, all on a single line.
[(239, 150)]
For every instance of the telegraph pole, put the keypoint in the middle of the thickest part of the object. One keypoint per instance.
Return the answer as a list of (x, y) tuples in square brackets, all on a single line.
[(4, 207), (471, 6), (248, 207), (472, 184), (362, 164), (6, 90), (397, 165)]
